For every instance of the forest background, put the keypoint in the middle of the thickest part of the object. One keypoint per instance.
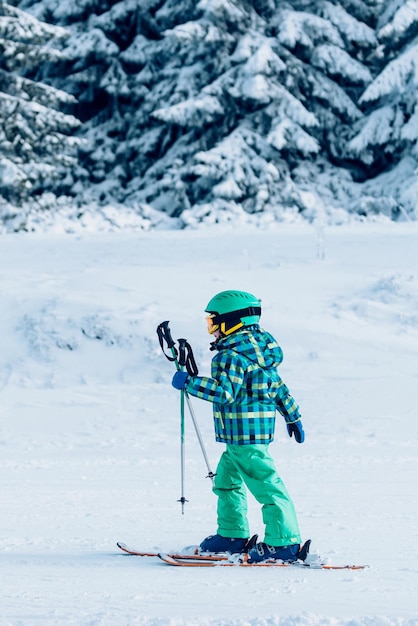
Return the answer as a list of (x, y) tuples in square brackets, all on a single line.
[(170, 114)]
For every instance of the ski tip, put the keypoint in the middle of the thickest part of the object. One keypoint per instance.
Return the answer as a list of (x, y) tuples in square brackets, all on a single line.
[(167, 558)]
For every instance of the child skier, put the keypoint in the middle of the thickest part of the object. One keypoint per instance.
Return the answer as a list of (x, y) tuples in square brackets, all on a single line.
[(246, 391)]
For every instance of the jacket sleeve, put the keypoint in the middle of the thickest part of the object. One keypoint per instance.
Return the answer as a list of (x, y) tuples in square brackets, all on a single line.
[(286, 404), (224, 384)]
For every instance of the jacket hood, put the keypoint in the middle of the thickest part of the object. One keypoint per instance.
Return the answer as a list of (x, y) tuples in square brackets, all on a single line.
[(255, 344)]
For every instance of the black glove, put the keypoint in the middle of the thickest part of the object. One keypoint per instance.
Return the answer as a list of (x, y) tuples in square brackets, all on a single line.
[(296, 429)]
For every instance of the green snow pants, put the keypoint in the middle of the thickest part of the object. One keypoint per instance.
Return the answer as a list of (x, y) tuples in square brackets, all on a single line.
[(251, 466)]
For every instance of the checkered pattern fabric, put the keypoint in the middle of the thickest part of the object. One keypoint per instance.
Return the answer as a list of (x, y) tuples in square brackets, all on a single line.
[(245, 388)]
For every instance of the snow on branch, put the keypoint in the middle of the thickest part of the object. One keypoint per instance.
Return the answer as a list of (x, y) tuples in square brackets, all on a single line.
[(395, 77), (228, 189), (188, 32), (20, 26), (137, 51), (334, 97), (287, 105), (264, 61), (235, 155), (18, 56), (410, 130), (246, 46), (221, 8), (93, 42), (26, 89), (242, 168), (405, 17), (256, 75), (256, 88), (203, 109), (30, 128), (376, 131), (351, 28), (306, 29), (286, 133), (337, 62)]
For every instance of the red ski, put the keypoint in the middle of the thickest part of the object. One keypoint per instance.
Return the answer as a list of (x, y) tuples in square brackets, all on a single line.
[(192, 558), (192, 555), (191, 561)]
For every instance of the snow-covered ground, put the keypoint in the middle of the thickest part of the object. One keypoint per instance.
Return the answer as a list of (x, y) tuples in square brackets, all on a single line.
[(90, 442)]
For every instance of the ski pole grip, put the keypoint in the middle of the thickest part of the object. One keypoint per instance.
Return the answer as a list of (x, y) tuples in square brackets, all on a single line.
[(164, 335), (186, 357)]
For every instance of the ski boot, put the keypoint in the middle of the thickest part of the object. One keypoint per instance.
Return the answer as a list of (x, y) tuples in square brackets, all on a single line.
[(288, 554), (231, 545)]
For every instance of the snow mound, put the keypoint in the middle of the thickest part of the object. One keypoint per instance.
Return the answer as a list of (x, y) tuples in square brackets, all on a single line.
[(392, 298)]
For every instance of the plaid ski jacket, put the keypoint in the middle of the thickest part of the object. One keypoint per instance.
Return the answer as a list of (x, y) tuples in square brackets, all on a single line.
[(245, 388)]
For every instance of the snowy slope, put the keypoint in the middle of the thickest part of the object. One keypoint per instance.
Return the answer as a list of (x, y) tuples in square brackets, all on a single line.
[(89, 429)]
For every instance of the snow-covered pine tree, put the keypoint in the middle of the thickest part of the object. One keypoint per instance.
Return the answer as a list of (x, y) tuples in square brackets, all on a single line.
[(386, 139), (209, 109), (36, 146)]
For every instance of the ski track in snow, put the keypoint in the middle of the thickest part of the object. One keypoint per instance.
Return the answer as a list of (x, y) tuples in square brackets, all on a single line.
[(89, 425)]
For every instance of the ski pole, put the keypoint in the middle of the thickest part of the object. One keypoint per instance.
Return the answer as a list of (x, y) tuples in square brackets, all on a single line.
[(164, 334), (186, 358), (182, 451)]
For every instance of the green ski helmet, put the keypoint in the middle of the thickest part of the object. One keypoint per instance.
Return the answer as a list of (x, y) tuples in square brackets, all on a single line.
[(231, 310)]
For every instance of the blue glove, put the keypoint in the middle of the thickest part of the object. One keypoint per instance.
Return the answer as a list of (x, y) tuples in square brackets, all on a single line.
[(296, 429), (179, 380)]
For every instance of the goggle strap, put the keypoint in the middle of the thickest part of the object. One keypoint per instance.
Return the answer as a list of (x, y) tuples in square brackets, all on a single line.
[(233, 315)]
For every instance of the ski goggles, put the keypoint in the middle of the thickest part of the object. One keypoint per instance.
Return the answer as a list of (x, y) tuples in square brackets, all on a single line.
[(212, 327), (225, 327)]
